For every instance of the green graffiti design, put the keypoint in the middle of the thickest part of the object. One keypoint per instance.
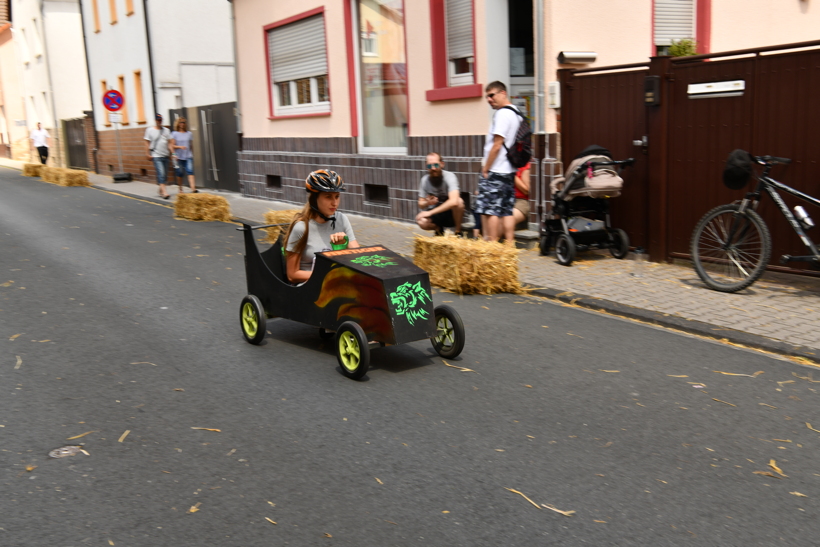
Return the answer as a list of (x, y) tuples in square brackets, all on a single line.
[(409, 301), (374, 260)]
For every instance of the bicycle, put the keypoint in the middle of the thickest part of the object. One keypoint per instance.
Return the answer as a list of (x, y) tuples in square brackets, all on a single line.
[(731, 245)]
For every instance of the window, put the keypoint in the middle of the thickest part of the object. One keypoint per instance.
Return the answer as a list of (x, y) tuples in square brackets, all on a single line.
[(112, 5), (38, 43), (297, 57), (25, 54), (96, 9), (104, 88), (124, 109), (129, 7), (138, 96), (459, 22), (370, 44), (674, 20)]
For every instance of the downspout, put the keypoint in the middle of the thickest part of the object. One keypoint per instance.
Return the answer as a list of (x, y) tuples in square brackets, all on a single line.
[(540, 89), (50, 86), (90, 89), (150, 57), (236, 76)]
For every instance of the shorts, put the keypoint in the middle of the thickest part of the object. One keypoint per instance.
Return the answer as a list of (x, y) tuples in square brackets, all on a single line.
[(185, 167), (496, 195), (444, 219), (523, 205)]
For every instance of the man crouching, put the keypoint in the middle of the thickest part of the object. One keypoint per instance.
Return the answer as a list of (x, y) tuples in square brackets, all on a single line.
[(439, 199)]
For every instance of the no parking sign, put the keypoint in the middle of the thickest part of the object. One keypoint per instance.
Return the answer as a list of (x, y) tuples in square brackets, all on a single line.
[(113, 100)]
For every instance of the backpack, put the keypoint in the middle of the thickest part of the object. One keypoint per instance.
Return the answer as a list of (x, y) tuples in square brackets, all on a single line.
[(521, 152)]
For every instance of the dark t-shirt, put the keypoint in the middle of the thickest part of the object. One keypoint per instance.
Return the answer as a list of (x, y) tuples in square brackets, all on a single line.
[(441, 188)]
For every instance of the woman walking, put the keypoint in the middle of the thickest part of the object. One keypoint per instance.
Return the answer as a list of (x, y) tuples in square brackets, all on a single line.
[(181, 145)]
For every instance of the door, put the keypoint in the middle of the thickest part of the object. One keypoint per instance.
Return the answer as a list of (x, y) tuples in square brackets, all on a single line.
[(74, 131)]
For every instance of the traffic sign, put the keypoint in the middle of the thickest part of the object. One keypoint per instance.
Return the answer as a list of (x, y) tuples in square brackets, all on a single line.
[(113, 100), (115, 117)]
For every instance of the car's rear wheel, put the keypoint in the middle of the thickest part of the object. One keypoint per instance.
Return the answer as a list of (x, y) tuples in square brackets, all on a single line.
[(252, 319), (449, 338)]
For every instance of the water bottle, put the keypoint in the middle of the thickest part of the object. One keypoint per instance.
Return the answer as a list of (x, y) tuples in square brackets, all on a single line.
[(639, 262), (803, 217)]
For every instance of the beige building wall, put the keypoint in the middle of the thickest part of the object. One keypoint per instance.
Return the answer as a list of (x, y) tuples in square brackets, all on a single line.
[(742, 24), (251, 17), (14, 109)]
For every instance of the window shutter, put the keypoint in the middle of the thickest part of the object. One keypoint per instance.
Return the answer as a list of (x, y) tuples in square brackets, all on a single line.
[(459, 28), (674, 20), (297, 50)]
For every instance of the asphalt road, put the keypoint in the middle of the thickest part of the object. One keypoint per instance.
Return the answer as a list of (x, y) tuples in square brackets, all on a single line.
[(116, 317)]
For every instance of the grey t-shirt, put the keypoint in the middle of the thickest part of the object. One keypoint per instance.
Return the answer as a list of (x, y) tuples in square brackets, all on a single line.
[(158, 141), (318, 238), (447, 184)]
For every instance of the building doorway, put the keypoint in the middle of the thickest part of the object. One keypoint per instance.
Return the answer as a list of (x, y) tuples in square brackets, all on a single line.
[(522, 55)]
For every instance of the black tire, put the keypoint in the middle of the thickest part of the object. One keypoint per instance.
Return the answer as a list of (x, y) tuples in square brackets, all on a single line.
[(449, 338), (544, 245), (325, 334), (352, 350), (565, 249), (252, 319), (620, 243), (729, 266)]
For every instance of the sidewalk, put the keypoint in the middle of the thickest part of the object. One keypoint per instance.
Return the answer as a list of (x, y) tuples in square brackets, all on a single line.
[(779, 313)]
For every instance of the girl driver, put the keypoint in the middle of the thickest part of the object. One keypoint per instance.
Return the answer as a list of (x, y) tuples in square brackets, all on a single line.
[(317, 226)]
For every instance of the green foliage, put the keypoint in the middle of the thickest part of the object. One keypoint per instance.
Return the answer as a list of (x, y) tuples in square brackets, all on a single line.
[(683, 48)]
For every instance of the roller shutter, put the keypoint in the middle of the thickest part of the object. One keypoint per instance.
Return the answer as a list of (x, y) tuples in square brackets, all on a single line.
[(459, 28), (298, 50), (674, 20)]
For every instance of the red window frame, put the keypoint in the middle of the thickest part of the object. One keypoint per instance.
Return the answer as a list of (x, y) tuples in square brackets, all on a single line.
[(304, 15), (441, 90)]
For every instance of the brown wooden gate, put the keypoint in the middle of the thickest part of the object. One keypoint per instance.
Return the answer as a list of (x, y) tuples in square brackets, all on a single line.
[(607, 109), (679, 178)]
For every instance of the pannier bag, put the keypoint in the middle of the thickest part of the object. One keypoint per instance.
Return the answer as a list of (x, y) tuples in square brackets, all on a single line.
[(594, 182)]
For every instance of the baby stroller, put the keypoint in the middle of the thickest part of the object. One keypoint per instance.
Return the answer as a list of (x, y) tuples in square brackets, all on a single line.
[(580, 207)]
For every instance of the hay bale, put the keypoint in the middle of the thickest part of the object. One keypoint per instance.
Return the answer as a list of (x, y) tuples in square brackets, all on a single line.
[(74, 177), (468, 266), (284, 216), (32, 169), (202, 206), (52, 174)]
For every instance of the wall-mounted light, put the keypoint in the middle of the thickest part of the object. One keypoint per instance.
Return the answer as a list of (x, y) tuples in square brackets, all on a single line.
[(577, 57)]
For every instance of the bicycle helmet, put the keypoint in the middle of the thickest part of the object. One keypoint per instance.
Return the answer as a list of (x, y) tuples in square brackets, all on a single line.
[(324, 180), (738, 169)]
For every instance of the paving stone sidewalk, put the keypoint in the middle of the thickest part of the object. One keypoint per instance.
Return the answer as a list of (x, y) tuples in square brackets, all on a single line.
[(780, 312)]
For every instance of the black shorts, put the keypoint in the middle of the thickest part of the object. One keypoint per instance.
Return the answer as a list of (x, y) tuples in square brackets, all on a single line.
[(444, 219)]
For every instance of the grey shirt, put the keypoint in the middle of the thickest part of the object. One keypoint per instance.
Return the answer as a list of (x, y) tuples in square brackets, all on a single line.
[(158, 141), (447, 184), (318, 238)]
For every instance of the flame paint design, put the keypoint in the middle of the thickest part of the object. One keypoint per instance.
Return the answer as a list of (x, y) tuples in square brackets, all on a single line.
[(361, 299)]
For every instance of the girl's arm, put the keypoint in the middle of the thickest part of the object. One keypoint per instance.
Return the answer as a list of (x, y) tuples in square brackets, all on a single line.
[(295, 273)]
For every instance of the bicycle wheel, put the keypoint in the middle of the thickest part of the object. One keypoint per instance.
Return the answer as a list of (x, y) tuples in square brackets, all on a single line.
[(730, 250)]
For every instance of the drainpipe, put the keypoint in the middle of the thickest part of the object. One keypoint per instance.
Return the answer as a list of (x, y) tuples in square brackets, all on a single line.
[(44, 35), (150, 57), (236, 76), (90, 89), (540, 87)]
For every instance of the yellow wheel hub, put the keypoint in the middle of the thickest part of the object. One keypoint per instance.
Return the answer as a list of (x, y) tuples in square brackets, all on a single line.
[(250, 320), (349, 351)]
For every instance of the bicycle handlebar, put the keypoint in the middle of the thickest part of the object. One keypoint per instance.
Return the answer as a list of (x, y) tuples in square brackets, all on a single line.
[(771, 160)]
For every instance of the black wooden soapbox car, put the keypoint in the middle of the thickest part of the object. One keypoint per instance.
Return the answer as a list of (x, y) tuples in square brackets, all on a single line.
[(363, 296)]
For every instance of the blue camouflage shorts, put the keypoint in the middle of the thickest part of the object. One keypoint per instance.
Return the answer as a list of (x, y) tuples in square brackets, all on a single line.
[(496, 194)]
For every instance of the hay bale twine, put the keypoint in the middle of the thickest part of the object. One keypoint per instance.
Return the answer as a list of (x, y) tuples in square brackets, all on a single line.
[(32, 169), (284, 216), (74, 177), (468, 266), (202, 206)]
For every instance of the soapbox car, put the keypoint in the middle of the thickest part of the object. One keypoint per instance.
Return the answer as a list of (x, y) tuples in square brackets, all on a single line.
[(363, 296)]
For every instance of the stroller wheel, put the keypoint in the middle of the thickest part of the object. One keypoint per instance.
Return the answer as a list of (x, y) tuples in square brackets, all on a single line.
[(620, 243), (565, 249), (544, 245)]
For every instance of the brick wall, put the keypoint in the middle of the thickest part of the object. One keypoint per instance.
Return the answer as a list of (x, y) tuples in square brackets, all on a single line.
[(132, 146)]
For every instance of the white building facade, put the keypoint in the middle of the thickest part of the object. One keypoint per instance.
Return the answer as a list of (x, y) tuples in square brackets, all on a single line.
[(51, 55)]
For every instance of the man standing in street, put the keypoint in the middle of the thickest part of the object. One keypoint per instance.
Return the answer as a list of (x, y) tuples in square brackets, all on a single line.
[(40, 139), (496, 185), (156, 148), (439, 199)]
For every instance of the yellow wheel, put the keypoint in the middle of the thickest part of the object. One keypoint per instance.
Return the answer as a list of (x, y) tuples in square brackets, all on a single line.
[(449, 338), (252, 319), (352, 350)]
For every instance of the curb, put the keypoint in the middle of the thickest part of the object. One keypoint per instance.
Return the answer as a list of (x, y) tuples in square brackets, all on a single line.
[(691, 326)]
